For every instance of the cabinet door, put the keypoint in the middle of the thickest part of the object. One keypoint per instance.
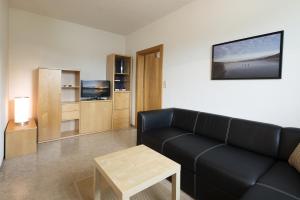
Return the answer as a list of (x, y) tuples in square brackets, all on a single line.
[(87, 116), (121, 119), (49, 104), (95, 116), (104, 116), (121, 100)]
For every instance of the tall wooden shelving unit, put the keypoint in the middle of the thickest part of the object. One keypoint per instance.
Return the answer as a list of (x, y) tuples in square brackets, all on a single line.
[(118, 71), (58, 108), (70, 102)]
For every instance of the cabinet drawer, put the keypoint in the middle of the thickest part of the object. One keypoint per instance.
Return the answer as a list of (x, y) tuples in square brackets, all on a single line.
[(121, 123), (121, 114), (71, 115), (67, 107)]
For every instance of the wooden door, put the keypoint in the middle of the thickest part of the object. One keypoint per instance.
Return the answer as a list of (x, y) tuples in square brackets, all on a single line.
[(149, 79), (49, 104), (152, 82)]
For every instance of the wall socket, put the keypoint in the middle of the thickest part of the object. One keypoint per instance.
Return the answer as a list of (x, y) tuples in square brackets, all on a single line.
[(164, 84)]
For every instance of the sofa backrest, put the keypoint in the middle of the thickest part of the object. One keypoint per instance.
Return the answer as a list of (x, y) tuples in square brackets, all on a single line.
[(184, 119), (290, 138), (212, 126), (255, 136), (156, 119)]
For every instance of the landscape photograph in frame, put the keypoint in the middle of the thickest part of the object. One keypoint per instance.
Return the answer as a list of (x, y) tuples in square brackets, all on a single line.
[(258, 57)]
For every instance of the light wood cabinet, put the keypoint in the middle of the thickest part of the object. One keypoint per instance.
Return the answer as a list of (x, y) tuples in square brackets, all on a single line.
[(118, 71), (48, 106), (58, 103), (95, 116), (60, 112), (20, 140)]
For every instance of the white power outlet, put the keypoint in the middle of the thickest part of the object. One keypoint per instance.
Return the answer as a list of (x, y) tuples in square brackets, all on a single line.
[(164, 84)]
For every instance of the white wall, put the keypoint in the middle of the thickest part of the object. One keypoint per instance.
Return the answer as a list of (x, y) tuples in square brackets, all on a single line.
[(38, 41), (3, 72), (188, 35)]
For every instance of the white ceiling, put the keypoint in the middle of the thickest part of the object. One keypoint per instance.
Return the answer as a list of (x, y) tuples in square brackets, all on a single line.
[(118, 16)]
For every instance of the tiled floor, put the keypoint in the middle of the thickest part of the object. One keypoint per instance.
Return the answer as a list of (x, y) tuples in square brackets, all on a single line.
[(51, 174)]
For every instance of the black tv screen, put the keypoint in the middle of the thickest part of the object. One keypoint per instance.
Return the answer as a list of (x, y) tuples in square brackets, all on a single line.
[(95, 89)]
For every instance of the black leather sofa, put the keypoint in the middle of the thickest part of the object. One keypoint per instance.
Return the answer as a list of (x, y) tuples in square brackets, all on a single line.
[(223, 157)]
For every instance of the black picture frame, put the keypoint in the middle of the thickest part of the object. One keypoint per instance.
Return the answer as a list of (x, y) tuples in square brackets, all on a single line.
[(248, 68)]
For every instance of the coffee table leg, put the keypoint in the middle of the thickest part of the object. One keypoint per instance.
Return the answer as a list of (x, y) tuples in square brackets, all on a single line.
[(176, 186), (97, 192)]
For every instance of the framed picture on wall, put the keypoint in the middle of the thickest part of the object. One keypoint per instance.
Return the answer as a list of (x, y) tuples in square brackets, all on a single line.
[(258, 57)]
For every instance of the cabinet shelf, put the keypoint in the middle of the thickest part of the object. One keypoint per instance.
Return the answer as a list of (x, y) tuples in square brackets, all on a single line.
[(119, 91), (68, 102), (72, 87)]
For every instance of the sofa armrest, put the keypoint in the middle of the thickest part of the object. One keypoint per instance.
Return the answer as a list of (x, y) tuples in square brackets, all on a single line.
[(154, 119)]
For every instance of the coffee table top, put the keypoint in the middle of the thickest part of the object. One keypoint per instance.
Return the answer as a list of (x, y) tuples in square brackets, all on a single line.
[(132, 170)]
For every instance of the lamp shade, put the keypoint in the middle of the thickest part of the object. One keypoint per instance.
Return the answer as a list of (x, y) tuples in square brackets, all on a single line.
[(21, 110)]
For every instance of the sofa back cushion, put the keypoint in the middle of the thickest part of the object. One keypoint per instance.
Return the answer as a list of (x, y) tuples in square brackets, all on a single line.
[(290, 138), (184, 119), (255, 136), (154, 119), (212, 126)]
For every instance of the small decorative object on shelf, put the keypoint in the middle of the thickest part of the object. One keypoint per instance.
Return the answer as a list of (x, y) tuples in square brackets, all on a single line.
[(122, 66)]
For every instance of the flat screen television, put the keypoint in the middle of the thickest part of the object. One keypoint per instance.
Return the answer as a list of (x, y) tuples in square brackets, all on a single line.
[(95, 89)]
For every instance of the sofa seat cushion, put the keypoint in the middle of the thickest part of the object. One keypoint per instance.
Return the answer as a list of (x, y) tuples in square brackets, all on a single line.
[(186, 149), (259, 192), (282, 177), (231, 169), (156, 138)]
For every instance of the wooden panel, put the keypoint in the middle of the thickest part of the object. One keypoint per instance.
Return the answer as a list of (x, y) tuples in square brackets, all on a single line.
[(66, 107), (12, 127), (152, 82), (49, 104), (110, 71), (20, 140), (70, 115), (140, 84), (122, 100), (121, 114), (95, 116), (121, 123)]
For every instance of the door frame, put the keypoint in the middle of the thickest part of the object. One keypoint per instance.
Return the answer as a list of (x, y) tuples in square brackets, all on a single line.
[(140, 55)]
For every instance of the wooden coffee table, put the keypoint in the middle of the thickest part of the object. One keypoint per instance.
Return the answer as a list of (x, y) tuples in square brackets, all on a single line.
[(132, 170)]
